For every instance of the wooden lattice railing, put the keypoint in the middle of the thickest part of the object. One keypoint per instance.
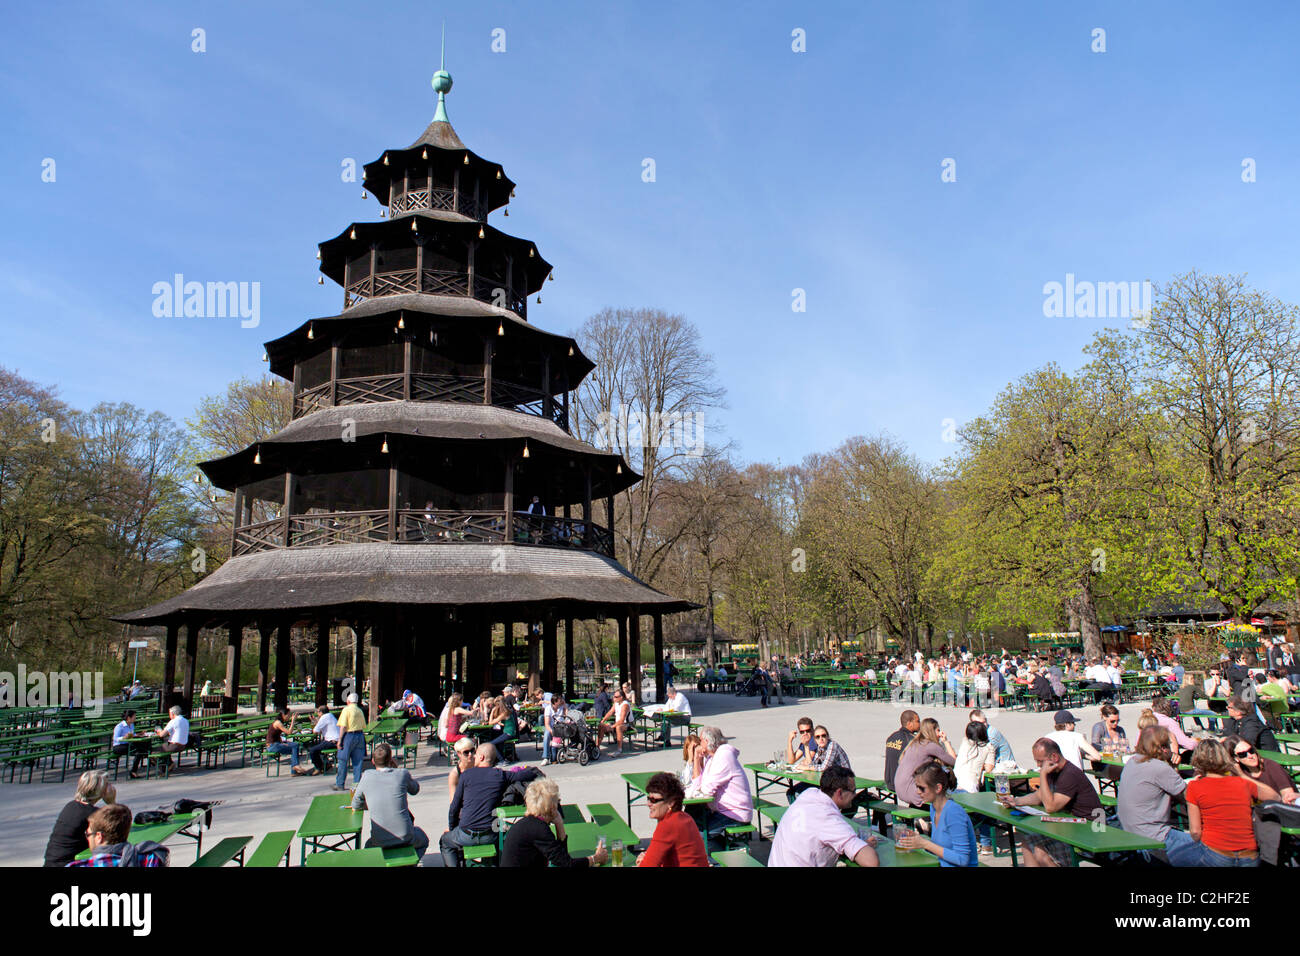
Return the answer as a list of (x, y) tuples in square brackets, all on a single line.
[(424, 526), (428, 387)]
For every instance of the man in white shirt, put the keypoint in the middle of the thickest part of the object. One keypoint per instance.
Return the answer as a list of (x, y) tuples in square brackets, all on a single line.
[(814, 831), (1098, 679), (176, 734), (327, 726), (1071, 742), (676, 704), (1113, 673)]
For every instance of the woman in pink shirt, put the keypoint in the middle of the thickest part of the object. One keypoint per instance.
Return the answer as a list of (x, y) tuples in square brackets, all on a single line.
[(1160, 707)]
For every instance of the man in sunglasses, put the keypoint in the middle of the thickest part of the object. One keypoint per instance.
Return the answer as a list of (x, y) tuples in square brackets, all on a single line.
[(800, 742), (1244, 721)]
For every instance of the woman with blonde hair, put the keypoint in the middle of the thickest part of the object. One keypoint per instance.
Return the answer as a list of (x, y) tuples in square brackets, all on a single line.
[(68, 838), (531, 842), (930, 743)]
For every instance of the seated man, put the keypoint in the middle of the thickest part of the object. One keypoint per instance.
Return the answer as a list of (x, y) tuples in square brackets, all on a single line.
[(411, 705), (176, 734), (616, 721), (676, 704), (383, 792), (800, 745), (724, 782), (327, 726), (107, 831), (1244, 721), (814, 832), (1063, 789), (471, 821)]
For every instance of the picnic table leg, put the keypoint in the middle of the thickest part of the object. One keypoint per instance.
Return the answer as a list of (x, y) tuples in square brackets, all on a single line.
[(629, 803)]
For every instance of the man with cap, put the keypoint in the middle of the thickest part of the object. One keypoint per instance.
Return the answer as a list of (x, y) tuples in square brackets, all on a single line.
[(411, 704), (1071, 742)]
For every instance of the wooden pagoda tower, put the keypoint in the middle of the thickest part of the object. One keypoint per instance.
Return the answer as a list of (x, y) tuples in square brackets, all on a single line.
[(428, 488)]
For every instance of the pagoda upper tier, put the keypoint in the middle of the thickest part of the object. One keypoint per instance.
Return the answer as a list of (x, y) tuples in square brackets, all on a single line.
[(434, 238)]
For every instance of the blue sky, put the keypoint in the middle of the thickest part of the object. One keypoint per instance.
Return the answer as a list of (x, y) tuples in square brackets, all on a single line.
[(775, 170)]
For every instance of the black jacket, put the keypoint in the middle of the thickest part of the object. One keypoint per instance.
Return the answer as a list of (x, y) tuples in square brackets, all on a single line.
[(1252, 730)]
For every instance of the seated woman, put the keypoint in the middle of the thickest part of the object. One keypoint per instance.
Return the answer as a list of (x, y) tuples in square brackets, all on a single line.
[(692, 760), (455, 716), (676, 840), (616, 722), (1219, 805), (503, 719), (68, 838), (530, 842), (952, 835), (276, 743)]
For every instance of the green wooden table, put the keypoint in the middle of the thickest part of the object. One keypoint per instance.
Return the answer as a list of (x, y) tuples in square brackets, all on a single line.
[(1287, 760), (1286, 739), (582, 839), (890, 855), (766, 777), (331, 815), (371, 856), (1091, 838)]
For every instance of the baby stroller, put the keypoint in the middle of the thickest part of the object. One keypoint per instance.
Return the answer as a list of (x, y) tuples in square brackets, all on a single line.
[(748, 687), (575, 741)]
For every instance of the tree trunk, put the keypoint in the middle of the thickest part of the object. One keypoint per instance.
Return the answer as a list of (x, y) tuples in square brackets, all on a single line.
[(1084, 609), (708, 638)]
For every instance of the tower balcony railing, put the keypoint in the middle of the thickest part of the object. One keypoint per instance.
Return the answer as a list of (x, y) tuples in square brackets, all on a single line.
[(435, 282), (437, 199), (424, 526), (427, 387)]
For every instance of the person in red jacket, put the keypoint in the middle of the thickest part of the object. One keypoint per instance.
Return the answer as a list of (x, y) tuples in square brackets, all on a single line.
[(676, 840)]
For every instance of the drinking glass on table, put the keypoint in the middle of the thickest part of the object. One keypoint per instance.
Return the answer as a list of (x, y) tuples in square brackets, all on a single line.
[(906, 838), (616, 852)]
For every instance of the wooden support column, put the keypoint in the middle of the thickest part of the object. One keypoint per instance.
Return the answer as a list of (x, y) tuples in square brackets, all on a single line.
[(322, 660), (288, 507), (487, 371), (358, 656), (234, 646), (586, 508), (169, 666), (379, 645), (568, 659), (392, 497), (191, 654), (283, 657), (548, 401), (510, 498), (622, 648), (550, 668), (634, 652), (661, 682), (458, 680), (481, 631), (508, 627), (263, 663), (609, 512), (534, 664)]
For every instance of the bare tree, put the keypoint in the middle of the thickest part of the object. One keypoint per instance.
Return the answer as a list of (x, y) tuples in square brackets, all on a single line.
[(646, 399)]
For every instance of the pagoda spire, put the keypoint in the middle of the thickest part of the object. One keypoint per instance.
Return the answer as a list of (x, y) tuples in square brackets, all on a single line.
[(442, 81)]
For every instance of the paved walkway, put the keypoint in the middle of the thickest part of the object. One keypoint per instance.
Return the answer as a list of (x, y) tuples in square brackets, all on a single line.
[(255, 805)]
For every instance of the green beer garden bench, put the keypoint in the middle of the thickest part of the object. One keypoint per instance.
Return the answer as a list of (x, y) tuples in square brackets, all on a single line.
[(231, 848)]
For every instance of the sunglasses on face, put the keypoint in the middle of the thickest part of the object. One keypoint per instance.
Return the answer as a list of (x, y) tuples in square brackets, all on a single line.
[(804, 733), (821, 737), (651, 800), (1244, 753)]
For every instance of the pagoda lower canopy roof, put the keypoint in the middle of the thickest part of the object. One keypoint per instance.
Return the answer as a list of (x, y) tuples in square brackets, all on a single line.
[(282, 352), (449, 420), (454, 575)]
